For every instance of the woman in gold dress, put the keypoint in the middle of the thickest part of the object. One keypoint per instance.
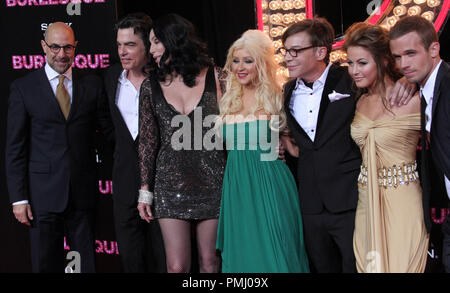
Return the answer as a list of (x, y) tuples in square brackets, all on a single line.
[(390, 234)]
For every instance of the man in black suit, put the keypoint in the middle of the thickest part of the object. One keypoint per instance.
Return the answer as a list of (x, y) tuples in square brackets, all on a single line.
[(415, 47), (329, 161), (320, 106), (53, 115), (140, 244)]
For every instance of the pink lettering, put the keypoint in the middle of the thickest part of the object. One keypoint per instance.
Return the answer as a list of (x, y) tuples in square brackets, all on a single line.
[(441, 219), (30, 65), (38, 61), (110, 250), (22, 3), (99, 248), (107, 189), (81, 61), (104, 60), (81, 64), (17, 62), (66, 247), (95, 65)]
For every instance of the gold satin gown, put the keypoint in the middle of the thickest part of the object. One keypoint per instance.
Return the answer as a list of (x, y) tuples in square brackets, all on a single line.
[(390, 234)]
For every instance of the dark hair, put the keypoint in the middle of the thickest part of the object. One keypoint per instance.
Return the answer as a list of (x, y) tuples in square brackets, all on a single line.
[(374, 39), (140, 23), (418, 24), (319, 30), (187, 55)]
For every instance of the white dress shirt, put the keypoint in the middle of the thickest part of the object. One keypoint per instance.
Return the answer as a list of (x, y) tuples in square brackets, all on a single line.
[(52, 76), (427, 92), (305, 103), (127, 100)]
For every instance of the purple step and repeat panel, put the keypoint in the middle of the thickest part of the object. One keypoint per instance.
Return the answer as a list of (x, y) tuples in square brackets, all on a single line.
[(23, 23)]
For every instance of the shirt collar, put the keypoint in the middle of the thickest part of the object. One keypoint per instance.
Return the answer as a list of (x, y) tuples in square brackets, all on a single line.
[(428, 89), (52, 74), (123, 77), (320, 81)]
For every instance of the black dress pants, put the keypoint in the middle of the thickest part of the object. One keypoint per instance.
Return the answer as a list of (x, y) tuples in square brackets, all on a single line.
[(329, 241), (47, 240), (141, 246)]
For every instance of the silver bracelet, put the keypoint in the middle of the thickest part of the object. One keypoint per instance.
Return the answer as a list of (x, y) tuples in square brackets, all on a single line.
[(145, 196)]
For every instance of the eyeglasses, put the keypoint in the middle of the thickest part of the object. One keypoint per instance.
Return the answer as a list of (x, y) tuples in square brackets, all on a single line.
[(293, 52), (56, 48)]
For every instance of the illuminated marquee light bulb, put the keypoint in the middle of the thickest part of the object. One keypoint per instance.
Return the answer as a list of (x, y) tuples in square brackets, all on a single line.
[(278, 58), (264, 5), (418, 2), (414, 10), (266, 29), (275, 18), (334, 56), (275, 32), (404, 2), (265, 18), (288, 18), (400, 10), (299, 4), (433, 3), (274, 5), (277, 44), (300, 17), (391, 21), (287, 5), (429, 15)]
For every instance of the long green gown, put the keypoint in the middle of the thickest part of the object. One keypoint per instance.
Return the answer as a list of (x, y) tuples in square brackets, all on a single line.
[(260, 225)]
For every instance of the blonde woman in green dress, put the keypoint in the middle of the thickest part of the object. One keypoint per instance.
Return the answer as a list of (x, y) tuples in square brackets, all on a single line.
[(260, 224)]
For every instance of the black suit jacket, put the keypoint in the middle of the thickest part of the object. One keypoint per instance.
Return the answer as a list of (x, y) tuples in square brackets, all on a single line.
[(48, 157), (125, 166), (328, 168), (440, 124), (439, 141)]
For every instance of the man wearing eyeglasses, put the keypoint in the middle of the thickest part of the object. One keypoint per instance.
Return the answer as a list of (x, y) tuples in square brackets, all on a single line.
[(53, 115), (320, 106)]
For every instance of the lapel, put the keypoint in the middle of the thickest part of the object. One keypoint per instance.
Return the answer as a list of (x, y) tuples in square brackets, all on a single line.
[(443, 70), (330, 84), (77, 93), (119, 122), (288, 97), (47, 92)]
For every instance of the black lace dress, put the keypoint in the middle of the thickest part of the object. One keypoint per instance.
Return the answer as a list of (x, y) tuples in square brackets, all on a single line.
[(186, 176)]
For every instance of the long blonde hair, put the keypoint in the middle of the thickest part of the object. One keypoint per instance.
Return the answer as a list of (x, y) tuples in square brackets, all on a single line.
[(268, 92)]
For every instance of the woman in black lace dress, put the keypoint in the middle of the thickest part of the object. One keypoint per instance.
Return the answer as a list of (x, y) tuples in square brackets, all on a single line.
[(179, 160)]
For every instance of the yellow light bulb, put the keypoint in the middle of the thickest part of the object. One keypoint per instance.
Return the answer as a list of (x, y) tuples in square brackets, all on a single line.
[(414, 10), (399, 10), (429, 15), (433, 3), (299, 4)]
